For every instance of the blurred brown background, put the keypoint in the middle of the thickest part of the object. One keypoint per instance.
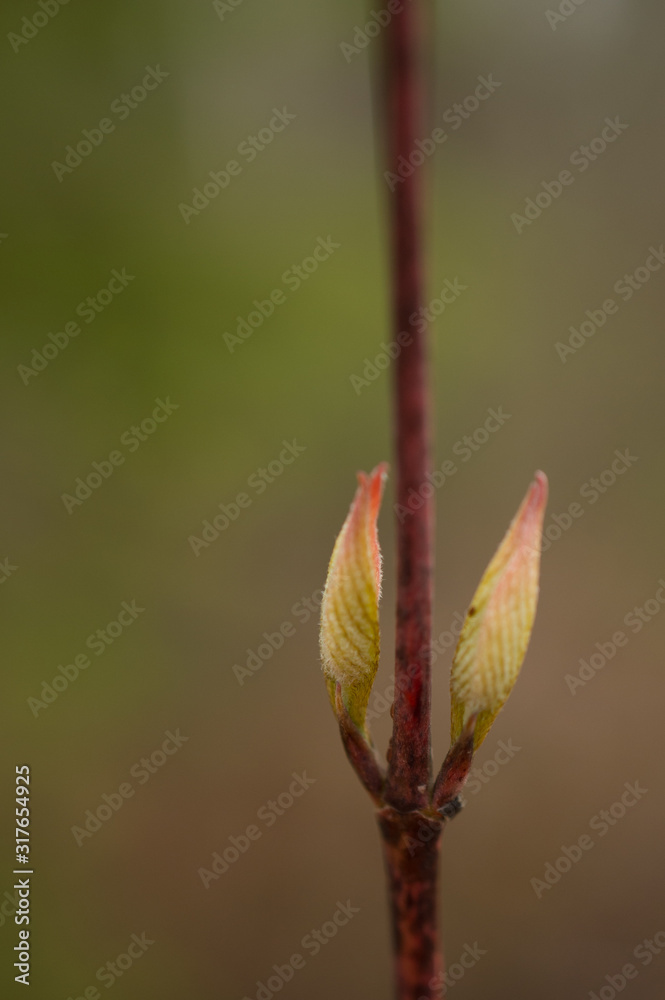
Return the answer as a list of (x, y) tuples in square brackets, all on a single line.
[(163, 337)]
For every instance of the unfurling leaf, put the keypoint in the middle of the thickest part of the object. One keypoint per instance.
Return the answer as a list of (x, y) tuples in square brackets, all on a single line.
[(496, 632), (350, 607)]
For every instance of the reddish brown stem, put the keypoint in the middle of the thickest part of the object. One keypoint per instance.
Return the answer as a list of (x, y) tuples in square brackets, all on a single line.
[(455, 769), (411, 844), (411, 838), (361, 754), (410, 767)]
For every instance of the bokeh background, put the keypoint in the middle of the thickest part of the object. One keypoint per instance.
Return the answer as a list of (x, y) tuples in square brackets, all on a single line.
[(163, 337)]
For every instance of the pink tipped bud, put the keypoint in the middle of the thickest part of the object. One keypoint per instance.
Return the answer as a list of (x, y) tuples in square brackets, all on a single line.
[(349, 635), (498, 625)]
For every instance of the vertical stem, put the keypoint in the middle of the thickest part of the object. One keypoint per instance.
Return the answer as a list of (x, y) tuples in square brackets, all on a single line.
[(411, 838), (411, 845), (410, 766)]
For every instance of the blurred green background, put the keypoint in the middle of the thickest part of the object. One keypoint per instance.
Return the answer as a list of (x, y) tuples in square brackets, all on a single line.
[(163, 337)]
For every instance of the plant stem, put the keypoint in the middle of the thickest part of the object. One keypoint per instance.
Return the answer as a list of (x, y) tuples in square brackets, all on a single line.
[(411, 846), (410, 827), (410, 766)]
